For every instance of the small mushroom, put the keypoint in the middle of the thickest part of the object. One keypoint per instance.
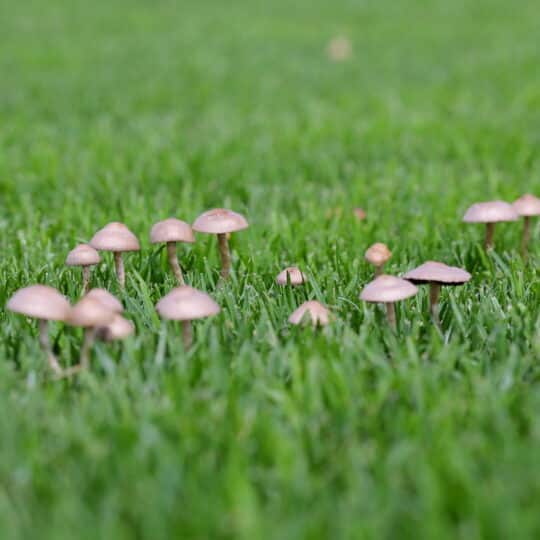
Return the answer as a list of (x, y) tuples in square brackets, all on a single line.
[(116, 237), (311, 311), (186, 304), (44, 304), (378, 255), (84, 256), (171, 231), (107, 299), (490, 213), (221, 222), (436, 274), (339, 49), (388, 290), (292, 275), (527, 206), (118, 328), (360, 214)]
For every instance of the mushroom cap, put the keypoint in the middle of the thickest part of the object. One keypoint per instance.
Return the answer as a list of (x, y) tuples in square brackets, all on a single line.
[(89, 313), (360, 214), (490, 212), (387, 289), (436, 272), (527, 205), (318, 314), (107, 299), (185, 303), (115, 237), (377, 254), (220, 221), (83, 255), (40, 302), (118, 328), (171, 230), (295, 276)]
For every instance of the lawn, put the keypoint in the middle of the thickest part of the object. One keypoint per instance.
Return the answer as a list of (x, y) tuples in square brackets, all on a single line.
[(137, 111)]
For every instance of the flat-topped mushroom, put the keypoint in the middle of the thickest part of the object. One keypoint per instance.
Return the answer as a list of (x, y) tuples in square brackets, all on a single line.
[(116, 237), (45, 304), (186, 304), (105, 297), (436, 274), (292, 275), (221, 221), (170, 231), (311, 312), (490, 213), (388, 290), (378, 255), (118, 328), (84, 256), (527, 206)]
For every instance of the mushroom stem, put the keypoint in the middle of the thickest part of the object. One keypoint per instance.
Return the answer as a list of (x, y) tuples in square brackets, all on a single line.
[(85, 279), (526, 236), (434, 293), (89, 338), (379, 270), (490, 230), (391, 315), (225, 255), (173, 262), (187, 334), (46, 347), (119, 265)]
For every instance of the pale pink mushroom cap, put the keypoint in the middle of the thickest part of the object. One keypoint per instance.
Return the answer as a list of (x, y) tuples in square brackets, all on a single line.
[(107, 299), (527, 205), (293, 274), (89, 313), (83, 255), (171, 230), (378, 254), (40, 302), (118, 328), (490, 212), (220, 221), (387, 289), (311, 311), (360, 213), (185, 303), (436, 272), (115, 237)]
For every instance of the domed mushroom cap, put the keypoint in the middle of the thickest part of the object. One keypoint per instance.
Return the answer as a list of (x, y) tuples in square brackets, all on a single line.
[(293, 274), (115, 237), (118, 328), (388, 289), (318, 314), (378, 254), (436, 272), (89, 313), (185, 303), (107, 299), (220, 221), (40, 302), (527, 205), (490, 212), (171, 230), (83, 255)]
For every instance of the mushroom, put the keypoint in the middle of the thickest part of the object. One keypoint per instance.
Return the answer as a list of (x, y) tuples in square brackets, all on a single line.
[(118, 328), (387, 290), (171, 231), (292, 275), (221, 222), (186, 304), (45, 304), (527, 206), (116, 237), (84, 256), (318, 314), (378, 255), (360, 214), (107, 299), (436, 274), (490, 213)]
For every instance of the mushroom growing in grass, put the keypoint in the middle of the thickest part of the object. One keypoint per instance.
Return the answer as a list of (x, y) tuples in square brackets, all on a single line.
[(44, 304), (118, 328), (490, 213), (310, 312), (436, 274), (292, 275), (171, 231), (221, 222), (527, 206), (107, 299), (186, 304), (378, 255), (84, 256), (388, 290), (116, 237), (360, 214)]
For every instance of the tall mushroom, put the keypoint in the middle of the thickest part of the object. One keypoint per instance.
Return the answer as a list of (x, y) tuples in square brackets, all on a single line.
[(171, 231), (84, 256), (221, 222), (44, 304), (378, 255), (186, 304), (436, 274), (490, 213), (387, 290), (527, 206), (292, 275), (311, 311), (116, 237)]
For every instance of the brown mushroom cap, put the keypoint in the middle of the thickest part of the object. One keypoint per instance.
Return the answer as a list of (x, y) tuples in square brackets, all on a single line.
[(83, 255), (527, 205), (220, 221), (387, 289), (115, 237), (295, 276), (318, 314), (490, 212), (107, 299), (436, 272), (378, 254), (40, 302), (171, 230), (185, 303), (89, 313), (118, 328)]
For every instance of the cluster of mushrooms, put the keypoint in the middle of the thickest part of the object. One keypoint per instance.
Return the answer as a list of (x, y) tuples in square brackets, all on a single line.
[(99, 313)]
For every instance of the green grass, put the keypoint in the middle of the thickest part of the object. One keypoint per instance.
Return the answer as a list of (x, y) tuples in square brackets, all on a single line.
[(136, 111)]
